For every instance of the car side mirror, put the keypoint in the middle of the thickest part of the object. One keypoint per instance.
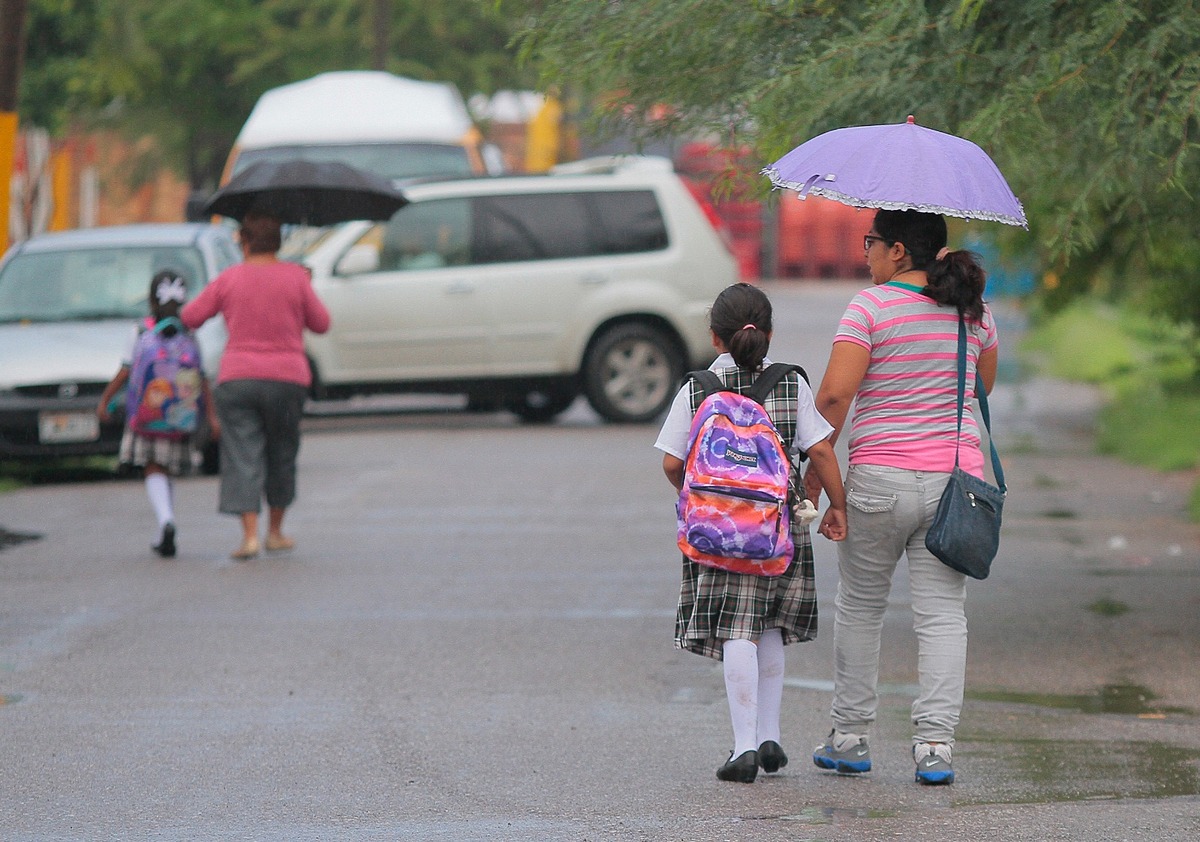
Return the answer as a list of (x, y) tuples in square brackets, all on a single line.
[(359, 259)]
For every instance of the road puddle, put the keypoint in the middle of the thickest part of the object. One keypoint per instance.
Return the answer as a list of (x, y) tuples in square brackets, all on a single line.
[(1112, 698), (8, 538), (833, 815), (1044, 771)]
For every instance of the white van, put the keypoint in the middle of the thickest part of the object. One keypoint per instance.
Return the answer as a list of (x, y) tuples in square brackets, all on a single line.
[(395, 127)]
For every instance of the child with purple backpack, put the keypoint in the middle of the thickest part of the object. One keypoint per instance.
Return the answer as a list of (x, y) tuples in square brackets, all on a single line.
[(166, 393), (746, 618)]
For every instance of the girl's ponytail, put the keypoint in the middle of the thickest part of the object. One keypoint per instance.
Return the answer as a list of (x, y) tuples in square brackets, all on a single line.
[(741, 319)]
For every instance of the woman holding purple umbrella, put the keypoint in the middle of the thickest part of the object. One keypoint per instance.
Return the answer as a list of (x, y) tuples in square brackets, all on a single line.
[(894, 358)]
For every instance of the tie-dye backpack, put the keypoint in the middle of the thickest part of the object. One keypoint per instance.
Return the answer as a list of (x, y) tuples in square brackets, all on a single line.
[(733, 509), (165, 384)]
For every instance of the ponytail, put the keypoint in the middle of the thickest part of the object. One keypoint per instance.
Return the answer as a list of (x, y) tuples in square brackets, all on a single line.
[(957, 280), (953, 278), (741, 319)]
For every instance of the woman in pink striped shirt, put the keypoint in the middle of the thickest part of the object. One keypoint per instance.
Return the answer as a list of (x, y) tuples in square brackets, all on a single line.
[(894, 358)]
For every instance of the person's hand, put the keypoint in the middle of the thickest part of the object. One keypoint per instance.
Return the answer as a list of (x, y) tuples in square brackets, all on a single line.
[(214, 427), (812, 486), (102, 411), (833, 525)]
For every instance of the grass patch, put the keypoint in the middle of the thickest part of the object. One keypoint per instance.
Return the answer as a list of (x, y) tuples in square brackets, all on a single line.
[(1144, 425), (1146, 367), (1108, 607)]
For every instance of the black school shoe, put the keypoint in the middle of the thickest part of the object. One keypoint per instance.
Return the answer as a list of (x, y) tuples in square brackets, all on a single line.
[(771, 756), (743, 770), (166, 544)]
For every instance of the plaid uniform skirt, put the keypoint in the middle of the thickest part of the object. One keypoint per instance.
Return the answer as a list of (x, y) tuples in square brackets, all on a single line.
[(716, 605), (175, 455)]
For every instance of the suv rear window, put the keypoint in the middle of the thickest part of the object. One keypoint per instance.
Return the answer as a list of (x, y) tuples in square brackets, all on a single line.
[(546, 226), (512, 228)]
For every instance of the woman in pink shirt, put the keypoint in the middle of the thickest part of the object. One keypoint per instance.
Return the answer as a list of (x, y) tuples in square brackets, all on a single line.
[(894, 358), (263, 379)]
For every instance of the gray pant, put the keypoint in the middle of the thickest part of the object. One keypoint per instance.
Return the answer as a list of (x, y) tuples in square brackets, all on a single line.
[(260, 437), (888, 513)]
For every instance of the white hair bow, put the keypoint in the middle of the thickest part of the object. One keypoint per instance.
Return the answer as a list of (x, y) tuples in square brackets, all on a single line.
[(172, 290)]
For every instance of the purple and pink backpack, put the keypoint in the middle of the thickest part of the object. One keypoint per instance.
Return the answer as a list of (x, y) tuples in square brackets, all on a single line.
[(734, 509), (166, 384)]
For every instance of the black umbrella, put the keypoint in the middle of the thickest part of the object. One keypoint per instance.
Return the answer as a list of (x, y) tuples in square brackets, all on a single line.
[(307, 193)]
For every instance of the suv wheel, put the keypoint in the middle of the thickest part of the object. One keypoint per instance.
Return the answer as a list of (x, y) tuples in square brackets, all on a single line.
[(631, 373), (540, 406)]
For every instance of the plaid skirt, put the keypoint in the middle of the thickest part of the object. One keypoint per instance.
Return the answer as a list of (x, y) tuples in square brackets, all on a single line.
[(175, 455), (715, 605)]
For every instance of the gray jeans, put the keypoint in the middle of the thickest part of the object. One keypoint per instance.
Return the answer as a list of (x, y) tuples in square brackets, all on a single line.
[(888, 512), (260, 437)]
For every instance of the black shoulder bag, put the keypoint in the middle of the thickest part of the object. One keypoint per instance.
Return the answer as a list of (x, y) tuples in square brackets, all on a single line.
[(965, 533)]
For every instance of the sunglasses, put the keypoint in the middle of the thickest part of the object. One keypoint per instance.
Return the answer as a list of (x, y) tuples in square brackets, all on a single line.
[(868, 238)]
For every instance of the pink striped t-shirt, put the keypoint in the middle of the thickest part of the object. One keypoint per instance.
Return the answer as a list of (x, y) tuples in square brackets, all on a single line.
[(905, 409)]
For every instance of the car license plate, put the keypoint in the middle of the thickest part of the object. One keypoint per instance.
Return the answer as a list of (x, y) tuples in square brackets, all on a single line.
[(58, 427)]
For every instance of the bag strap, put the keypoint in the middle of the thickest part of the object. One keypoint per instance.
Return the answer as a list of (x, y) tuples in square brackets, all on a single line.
[(169, 321), (760, 390), (981, 395), (766, 382), (708, 380)]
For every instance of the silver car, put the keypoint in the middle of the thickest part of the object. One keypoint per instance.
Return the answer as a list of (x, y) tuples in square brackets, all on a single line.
[(69, 302)]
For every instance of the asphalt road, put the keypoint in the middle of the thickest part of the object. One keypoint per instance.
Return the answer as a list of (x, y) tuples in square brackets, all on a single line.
[(472, 641)]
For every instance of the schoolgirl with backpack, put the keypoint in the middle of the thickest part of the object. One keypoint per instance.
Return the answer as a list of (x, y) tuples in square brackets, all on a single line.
[(731, 441), (165, 394)]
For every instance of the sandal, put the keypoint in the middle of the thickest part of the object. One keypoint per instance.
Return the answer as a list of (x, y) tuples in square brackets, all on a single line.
[(247, 551), (279, 543)]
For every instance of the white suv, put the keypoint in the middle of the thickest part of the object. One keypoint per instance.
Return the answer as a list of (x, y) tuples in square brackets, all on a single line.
[(523, 291)]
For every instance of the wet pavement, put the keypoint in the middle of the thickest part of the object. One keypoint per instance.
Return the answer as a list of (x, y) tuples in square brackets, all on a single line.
[(472, 642)]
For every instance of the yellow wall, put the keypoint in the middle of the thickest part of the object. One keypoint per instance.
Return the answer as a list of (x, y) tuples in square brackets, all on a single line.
[(8, 146)]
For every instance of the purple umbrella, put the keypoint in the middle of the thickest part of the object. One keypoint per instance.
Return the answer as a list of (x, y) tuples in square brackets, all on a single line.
[(900, 166)]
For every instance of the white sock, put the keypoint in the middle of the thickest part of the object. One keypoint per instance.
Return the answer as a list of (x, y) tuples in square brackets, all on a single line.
[(770, 684), (158, 489), (741, 688)]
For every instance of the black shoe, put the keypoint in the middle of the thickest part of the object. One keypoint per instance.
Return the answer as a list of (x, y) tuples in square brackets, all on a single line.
[(743, 770), (771, 756), (166, 544)]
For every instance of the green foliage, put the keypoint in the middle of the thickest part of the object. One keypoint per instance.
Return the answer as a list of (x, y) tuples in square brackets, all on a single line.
[(189, 71), (1149, 427), (1089, 108), (1146, 365), (1113, 346)]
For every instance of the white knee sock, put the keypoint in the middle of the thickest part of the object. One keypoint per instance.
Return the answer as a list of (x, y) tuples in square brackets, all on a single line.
[(158, 489), (770, 684), (741, 688)]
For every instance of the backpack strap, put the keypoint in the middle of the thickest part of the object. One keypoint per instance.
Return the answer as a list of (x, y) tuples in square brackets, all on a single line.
[(169, 321), (769, 379), (761, 389), (708, 380)]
